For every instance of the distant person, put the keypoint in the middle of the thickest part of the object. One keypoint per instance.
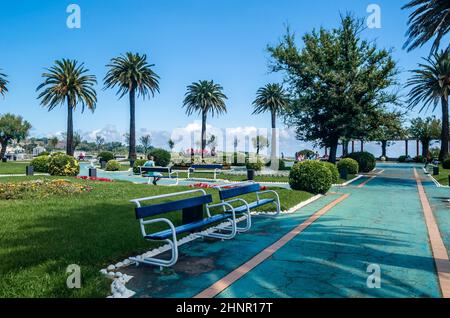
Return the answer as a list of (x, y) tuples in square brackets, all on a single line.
[(156, 175)]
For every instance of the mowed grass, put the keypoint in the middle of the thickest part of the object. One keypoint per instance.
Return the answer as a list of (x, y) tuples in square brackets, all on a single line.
[(40, 238), (442, 178), (13, 167)]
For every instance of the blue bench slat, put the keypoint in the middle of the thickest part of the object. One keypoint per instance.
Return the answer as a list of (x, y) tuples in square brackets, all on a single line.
[(187, 228), (206, 166), (235, 192), (155, 209), (162, 177), (253, 205), (155, 169)]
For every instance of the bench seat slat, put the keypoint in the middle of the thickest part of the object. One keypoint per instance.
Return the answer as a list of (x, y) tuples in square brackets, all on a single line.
[(206, 167), (162, 235), (156, 209), (235, 192), (253, 205), (155, 169)]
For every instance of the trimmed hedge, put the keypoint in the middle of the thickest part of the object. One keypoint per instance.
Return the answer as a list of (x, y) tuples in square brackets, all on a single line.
[(40, 164), (162, 157), (105, 156), (63, 165), (366, 161), (138, 163), (334, 171), (113, 165), (351, 165), (311, 176)]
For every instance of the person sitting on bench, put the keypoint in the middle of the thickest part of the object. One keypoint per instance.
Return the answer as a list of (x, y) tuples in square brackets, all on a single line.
[(156, 175)]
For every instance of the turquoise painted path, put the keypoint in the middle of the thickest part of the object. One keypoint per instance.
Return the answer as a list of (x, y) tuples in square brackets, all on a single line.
[(381, 223)]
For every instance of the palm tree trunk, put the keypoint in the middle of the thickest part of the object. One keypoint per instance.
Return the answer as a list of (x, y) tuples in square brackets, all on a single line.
[(4, 144), (69, 137), (274, 164), (445, 130), (425, 148), (384, 148), (345, 144), (204, 115), (333, 151), (132, 142)]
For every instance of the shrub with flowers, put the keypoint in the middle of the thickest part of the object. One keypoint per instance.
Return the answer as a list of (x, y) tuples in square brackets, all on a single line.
[(40, 189), (63, 165)]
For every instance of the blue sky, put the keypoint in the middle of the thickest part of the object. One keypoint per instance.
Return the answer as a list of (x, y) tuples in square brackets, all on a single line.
[(187, 40)]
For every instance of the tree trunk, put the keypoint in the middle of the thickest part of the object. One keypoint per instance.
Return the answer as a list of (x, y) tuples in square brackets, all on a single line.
[(204, 117), (384, 148), (345, 144), (132, 142), (425, 148), (333, 151), (445, 130), (69, 137), (274, 164), (4, 144)]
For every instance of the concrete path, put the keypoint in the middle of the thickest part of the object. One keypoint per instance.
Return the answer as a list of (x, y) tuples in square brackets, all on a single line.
[(334, 247)]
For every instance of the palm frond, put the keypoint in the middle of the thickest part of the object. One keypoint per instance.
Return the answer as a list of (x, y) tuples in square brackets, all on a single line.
[(3, 84), (271, 98), (205, 96)]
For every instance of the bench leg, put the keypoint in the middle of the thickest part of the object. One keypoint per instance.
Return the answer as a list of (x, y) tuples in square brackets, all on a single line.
[(246, 228), (232, 229), (160, 262)]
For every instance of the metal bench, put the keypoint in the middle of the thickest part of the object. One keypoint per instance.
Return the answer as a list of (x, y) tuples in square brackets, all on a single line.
[(193, 221), (215, 168), (144, 171), (230, 195)]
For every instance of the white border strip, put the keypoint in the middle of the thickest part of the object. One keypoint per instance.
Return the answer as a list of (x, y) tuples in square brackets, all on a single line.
[(433, 179)]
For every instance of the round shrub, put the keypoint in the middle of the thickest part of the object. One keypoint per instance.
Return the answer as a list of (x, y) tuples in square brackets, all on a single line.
[(40, 164), (446, 163), (257, 166), (105, 156), (366, 161), (113, 165), (311, 176), (63, 165), (162, 157), (334, 171), (351, 165), (138, 163)]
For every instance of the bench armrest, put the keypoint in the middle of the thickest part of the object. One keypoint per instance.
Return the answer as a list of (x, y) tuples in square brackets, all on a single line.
[(160, 220), (222, 204), (268, 191)]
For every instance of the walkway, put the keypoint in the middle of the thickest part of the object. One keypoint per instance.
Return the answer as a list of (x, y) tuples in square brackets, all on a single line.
[(325, 249)]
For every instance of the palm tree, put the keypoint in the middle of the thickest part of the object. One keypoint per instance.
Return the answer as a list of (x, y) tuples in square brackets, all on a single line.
[(67, 82), (271, 98), (205, 97), (132, 73), (431, 86), (3, 84), (430, 19)]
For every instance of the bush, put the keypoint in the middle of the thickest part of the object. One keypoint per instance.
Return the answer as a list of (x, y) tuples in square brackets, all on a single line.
[(402, 159), (138, 163), (334, 171), (40, 164), (257, 166), (44, 153), (420, 159), (63, 165), (311, 176), (282, 165), (105, 156), (351, 165), (366, 161), (162, 157), (446, 163), (113, 165)]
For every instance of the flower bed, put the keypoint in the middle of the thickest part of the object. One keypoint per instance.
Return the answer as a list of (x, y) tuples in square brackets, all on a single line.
[(212, 186), (95, 179), (40, 189)]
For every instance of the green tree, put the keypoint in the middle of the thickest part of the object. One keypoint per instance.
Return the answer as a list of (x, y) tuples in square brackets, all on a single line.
[(388, 127), (260, 143), (132, 73), (425, 130), (99, 142), (171, 144), (3, 84), (67, 83), (273, 99), (146, 143), (205, 97), (430, 85), (430, 19), (53, 142), (12, 128), (338, 81)]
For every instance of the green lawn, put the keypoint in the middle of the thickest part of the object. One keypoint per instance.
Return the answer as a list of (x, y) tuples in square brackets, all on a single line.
[(39, 238), (442, 178), (13, 167)]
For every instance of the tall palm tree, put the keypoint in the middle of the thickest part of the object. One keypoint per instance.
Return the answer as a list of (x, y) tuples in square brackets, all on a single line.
[(431, 86), (271, 98), (132, 73), (431, 19), (205, 97), (67, 83), (3, 84)]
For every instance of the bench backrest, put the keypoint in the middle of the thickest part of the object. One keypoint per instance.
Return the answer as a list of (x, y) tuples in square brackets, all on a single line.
[(235, 192), (207, 166), (161, 208), (155, 169)]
